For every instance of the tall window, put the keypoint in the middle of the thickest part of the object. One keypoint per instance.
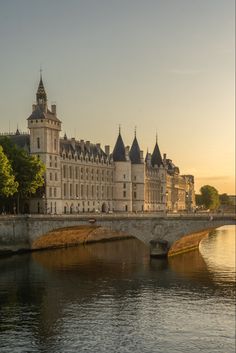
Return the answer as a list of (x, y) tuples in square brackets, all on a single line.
[(55, 144), (64, 171), (38, 142), (70, 190), (92, 191), (82, 191), (77, 190), (70, 172), (64, 189)]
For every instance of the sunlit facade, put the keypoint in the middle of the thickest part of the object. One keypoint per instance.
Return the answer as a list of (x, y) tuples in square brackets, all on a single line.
[(82, 177)]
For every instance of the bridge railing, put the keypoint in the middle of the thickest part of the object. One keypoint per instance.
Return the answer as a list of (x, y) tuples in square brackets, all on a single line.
[(124, 215)]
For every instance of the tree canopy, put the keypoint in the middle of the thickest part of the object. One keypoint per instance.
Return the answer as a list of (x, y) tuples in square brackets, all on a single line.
[(225, 200), (28, 170), (8, 184), (209, 197)]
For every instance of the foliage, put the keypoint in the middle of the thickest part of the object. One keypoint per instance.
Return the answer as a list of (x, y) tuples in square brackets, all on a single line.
[(8, 184), (225, 200), (209, 197), (28, 169), (198, 199)]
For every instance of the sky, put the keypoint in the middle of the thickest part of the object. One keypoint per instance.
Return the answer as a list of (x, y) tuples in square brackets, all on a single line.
[(164, 66)]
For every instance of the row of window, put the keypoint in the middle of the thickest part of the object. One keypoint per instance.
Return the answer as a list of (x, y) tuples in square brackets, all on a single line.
[(82, 191), (86, 173), (86, 158), (53, 122)]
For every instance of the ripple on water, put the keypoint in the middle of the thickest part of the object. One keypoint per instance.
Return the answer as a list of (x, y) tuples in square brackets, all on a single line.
[(111, 298)]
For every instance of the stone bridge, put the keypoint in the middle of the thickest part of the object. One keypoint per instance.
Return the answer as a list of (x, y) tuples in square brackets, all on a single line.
[(160, 232)]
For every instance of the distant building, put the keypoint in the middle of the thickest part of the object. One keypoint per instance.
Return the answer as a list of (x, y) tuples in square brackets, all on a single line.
[(82, 177), (233, 199)]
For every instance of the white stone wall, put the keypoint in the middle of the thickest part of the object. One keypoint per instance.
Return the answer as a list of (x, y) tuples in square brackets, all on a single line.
[(122, 186), (137, 176), (86, 186)]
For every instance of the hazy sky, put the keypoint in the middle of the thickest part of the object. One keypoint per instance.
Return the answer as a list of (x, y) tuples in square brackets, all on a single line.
[(165, 66)]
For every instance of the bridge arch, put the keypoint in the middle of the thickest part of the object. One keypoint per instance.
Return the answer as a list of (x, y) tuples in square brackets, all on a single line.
[(76, 235)]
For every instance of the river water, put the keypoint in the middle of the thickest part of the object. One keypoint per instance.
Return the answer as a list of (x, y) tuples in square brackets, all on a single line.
[(111, 298)]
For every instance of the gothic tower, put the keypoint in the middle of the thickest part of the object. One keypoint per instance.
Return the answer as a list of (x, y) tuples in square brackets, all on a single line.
[(45, 128)]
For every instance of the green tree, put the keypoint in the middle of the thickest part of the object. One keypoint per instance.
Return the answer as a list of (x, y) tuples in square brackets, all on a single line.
[(225, 200), (28, 169), (210, 197), (198, 199), (8, 184)]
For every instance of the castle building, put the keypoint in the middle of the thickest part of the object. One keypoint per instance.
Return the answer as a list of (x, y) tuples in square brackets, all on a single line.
[(82, 177)]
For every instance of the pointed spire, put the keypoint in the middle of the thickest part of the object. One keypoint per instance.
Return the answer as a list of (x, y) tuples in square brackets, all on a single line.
[(156, 156), (41, 95), (118, 153), (134, 153), (17, 131)]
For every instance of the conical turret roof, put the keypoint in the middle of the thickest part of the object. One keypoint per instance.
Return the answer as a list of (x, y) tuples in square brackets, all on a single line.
[(156, 156), (119, 150), (134, 153)]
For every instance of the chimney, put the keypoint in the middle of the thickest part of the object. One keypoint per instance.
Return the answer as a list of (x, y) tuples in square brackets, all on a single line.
[(33, 107), (98, 145), (164, 156), (107, 150), (54, 109)]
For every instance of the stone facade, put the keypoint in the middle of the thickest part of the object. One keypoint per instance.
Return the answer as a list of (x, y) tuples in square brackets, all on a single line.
[(82, 177)]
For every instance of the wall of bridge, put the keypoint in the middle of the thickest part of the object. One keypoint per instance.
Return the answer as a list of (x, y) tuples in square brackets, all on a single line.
[(20, 232)]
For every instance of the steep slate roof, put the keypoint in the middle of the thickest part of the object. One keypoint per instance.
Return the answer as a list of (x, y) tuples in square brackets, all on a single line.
[(81, 147), (39, 113), (119, 150), (134, 153), (156, 156)]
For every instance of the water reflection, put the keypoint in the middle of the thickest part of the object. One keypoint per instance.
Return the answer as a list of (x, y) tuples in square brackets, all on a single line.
[(110, 297), (221, 243)]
